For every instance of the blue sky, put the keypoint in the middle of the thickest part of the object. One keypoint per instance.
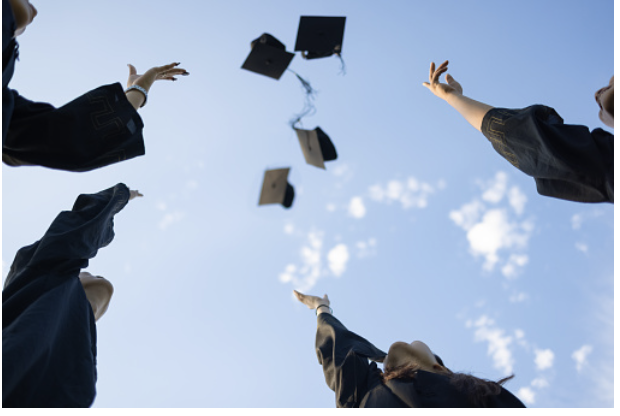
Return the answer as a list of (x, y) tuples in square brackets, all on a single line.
[(418, 231)]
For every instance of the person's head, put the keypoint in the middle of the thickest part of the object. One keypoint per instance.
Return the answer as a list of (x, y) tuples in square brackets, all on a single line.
[(24, 13), (605, 100), (404, 360), (98, 291), (416, 354)]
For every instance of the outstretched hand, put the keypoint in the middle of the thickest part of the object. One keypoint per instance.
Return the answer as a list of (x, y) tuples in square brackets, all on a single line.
[(133, 194), (146, 80), (310, 301), (442, 90)]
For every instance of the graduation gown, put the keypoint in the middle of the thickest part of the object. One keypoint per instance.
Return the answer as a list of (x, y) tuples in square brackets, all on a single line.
[(567, 161), (357, 382), (49, 339), (96, 129)]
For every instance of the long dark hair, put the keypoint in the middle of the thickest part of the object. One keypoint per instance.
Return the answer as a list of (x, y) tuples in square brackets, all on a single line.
[(477, 390)]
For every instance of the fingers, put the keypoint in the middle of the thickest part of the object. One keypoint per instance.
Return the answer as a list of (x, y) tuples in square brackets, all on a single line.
[(168, 72), (299, 296), (132, 70), (435, 73), (440, 70)]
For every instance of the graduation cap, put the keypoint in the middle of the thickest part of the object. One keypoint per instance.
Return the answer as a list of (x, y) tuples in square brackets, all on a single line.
[(319, 36), (276, 189), (268, 57), (316, 146)]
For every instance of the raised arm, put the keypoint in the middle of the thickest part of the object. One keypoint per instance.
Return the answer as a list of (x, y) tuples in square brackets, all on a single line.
[(452, 92), (72, 239), (343, 354)]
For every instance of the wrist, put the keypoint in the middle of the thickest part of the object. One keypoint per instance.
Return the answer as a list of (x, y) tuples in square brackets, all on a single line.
[(323, 308), (135, 98), (452, 96), (137, 95)]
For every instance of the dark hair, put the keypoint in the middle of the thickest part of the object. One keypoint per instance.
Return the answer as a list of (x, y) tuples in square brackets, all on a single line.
[(477, 390)]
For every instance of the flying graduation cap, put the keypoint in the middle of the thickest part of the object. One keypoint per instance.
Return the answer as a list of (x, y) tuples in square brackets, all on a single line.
[(276, 189), (316, 147), (268, 57), (319, 36)]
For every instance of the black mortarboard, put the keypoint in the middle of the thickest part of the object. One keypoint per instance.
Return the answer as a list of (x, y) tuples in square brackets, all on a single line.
[(276, 189), (316, 146), (268, 57), (318, 36)]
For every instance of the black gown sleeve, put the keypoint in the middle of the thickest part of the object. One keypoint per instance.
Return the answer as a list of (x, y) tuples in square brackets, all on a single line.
[(49, 340), (9, 54), (567, 161), (96, 129), (73, 237), (344, 356)]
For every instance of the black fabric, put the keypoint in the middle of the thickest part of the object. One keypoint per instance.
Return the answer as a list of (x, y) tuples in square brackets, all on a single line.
[(9, 55), (327, 147), (567, 161), (96, 129), (357, 382), (289, 195), (49, 340)]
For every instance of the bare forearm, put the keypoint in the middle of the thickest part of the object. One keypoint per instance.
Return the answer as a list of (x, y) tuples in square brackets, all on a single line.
[(473, 111)]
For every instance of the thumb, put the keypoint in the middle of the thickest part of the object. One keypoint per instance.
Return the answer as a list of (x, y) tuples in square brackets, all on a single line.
[(325, 297), (132, 70), (449, 78), (426, 84)]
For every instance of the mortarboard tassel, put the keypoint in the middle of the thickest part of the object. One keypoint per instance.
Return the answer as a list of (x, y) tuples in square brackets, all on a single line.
[(343, 67), (308, 102)]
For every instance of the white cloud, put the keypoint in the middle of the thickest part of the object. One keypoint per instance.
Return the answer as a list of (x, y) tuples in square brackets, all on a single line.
[(330, 207), (576, 221), (170, 219), (494, 232), (468, 215), (581, 247), (517, 200), (527, 395), (496, 188), (581, 356), (515, 262), (410, 193), (518, 297), (337, 259), (340, 170), (343, 174), (304, 277), (540, 383), (366, 248), (544, 359), (357, 208), (498, 343), (289, 228), (314, 263)]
